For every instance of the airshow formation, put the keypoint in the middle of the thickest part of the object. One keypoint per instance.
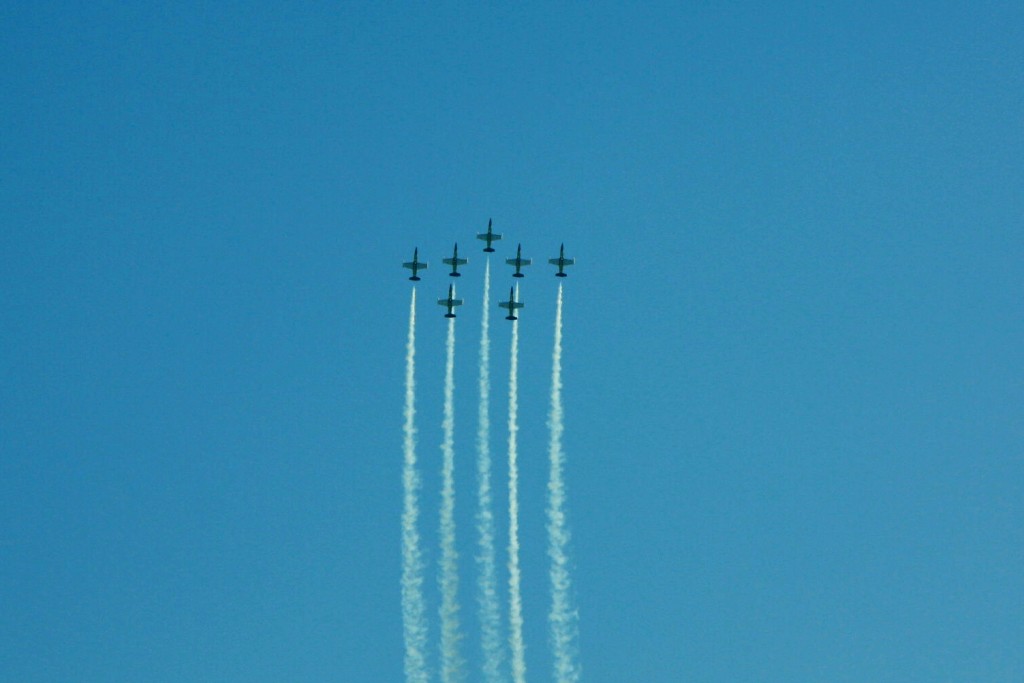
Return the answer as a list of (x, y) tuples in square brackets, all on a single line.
[(489, 237), (503, 652)]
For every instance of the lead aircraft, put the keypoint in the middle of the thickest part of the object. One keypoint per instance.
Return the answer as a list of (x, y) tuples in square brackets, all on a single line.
[(451, 302), (489, 236)]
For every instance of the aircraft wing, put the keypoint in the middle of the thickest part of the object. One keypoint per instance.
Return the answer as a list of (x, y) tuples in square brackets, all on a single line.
[(511, 305), (494, 236), (561, 262), (415, 265), (518, 261), (446, 302), (455, 261)]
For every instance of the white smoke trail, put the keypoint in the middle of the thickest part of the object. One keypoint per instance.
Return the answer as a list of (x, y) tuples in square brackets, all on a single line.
[(490, 619), (413, 622), (515, 617), (451, 661), (563, 617)]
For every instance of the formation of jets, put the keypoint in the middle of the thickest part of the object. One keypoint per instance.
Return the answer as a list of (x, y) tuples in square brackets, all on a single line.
[(489, 237)]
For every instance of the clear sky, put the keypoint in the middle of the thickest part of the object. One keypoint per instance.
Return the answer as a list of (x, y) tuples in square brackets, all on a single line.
[(793, 337)]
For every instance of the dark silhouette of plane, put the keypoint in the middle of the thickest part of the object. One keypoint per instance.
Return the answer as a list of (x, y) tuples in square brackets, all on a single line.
[(489, 236), (561, 262), (518, 261), (455, 262), (511, 304), (415, 265), (451, 302)]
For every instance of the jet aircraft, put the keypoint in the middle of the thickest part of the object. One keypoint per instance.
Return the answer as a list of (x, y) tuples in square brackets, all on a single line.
[(451, 302), (561, 262), (489, 236), (518, 261), (415, 264), (455, 262), (511, 304)]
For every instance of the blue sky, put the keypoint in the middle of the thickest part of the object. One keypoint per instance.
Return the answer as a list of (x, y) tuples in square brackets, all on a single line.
[(792, 338)]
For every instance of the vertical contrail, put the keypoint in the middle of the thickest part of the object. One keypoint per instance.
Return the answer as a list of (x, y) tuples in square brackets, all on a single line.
[(563, 617), (490, 619), (451, 662), (515, 616), (413, 621)]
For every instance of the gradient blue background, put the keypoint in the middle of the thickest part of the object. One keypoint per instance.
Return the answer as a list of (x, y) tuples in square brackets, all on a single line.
[(793, 364)]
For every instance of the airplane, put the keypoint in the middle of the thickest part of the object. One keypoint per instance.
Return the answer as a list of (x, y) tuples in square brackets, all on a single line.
[(415, 264), (489, 236), (455, 262), (511, 304), (518, 261), (561, 262), (451, 302)]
